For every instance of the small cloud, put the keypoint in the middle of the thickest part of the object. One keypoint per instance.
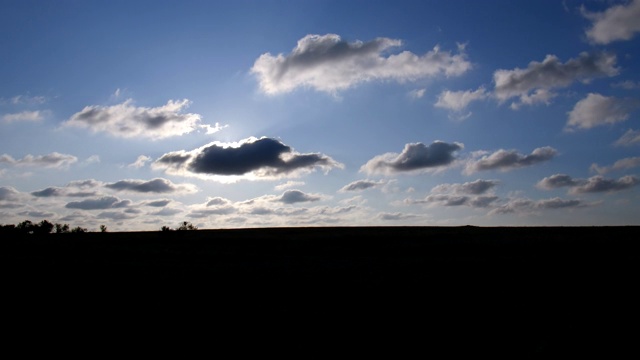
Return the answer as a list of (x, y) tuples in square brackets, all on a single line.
[(627, 85), (360, 185), (329, 64), (619, 22), (297, 196), (458, 101), (626, 163), (106, 202), (631, 137), (53, 160), (36, 115), (417, 93), (288, 184), (141, 161), (594, 184), (414, 157), (156, 186), (596, 110), (505, 160)]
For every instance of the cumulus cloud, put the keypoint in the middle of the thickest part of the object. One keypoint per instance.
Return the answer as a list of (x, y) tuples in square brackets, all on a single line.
[(523, 205), (329, 64), (505, 160), (476, 187), (141, 161), (626, 163), (105, 202), (157, 186), (53, 160), (476, 194), (414, 157), (594, 184), (619, 22), (459, 100), (631, 137), (8, 193), (360, 185), (36, 115), (297, 196), (252, 158), (127, 120), (596, 110), (533, 84)]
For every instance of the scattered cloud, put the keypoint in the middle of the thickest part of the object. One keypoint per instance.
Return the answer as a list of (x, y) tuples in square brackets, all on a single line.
[(156, 186), (396, 216), (526, 206), (35, 115), (297, 196), (417, 93), (141, 161), (25, 100), (414, 157), (533, 84), (627, 85), (476, 187), (251, 158), (619, 22), (505, 160), (631, 137), (127, 120), (594, 184), (8, 193), (360, 185), (475, 194), (329, 64), (288, 184), (105, 202), (597, 110), (53, 160), (626, 163), (459, 100)]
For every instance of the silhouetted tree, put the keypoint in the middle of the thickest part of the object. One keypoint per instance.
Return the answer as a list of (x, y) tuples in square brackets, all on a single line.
[(79, 229), (60, 229), (25, 227), (166, 228), (43, 227), (186, 226), (103, 228)]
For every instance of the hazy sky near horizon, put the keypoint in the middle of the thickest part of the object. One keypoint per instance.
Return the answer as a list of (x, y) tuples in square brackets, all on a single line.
[(139, 114)]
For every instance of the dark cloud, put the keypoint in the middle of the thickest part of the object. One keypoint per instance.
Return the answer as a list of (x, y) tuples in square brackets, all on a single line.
[(8, 193), (598, 184), (106, 202), (556, 181), (261, 158), (114, 215), (395, 216), (414, 156), (360, 185), (509, 159), (526, 206), (297, 196), (166, 212), (49, 192), (476, 187), (328, 63), (158, 203), (158, 185)]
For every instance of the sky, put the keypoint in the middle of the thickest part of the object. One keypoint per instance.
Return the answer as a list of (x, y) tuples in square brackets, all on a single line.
[(231, 114)]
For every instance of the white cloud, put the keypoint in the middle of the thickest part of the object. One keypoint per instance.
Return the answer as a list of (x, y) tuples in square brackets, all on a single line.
[(360, 185), (414, 157), (532, 85), (627, 85), (505, 160), (417, 93), (127, 120), (141, 161), (459, 100), (288, 184), (626, 163), (527, 206), (36, 115), (619, 22), (631, 137), (596, 110), (329, 64), (53, 160)]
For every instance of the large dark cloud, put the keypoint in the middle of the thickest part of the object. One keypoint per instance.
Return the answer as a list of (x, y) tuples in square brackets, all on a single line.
[(157, 185), (328, 63), (260, 158), (414, 156), (509, 159)]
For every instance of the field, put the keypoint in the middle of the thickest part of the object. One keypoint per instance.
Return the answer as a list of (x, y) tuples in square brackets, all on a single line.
[(518, 291)]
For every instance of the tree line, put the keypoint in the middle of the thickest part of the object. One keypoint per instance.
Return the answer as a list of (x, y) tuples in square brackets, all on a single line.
[(47, 227)]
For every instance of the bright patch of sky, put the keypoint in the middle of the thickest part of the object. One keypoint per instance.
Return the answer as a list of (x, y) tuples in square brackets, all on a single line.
[(142, 114)]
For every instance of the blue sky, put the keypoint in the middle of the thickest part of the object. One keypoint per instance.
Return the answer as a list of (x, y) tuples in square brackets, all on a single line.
[(141, 114)]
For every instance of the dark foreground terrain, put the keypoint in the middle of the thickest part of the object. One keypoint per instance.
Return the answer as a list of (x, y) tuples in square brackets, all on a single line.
[(521, 292)]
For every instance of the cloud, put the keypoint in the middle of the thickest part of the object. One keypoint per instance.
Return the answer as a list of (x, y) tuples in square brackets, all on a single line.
[(126, 120), (523, 205), (252, 158), (8, 193), (157, 186), (26, 100), (596, 110), (297, 196), (459, 100), (106, 202), (158, 203), (631, 137), (476, 187), (360, 185), (594, 184), (627, 85), (505, 160), (414, 157), (36, 115), (53, 160), (619, 22), (329, 64), (475, 194), (417, 93), (141, 161), (626, 163), (288, 184), (532, 85), (396, 216)]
